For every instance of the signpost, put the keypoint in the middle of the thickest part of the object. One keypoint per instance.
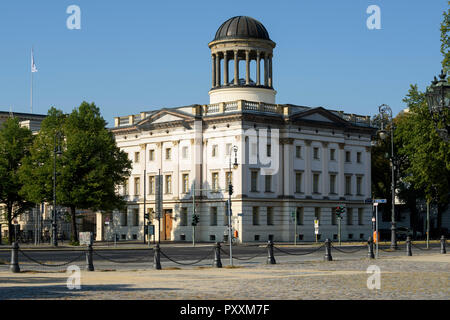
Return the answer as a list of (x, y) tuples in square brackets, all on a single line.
[(377, 237), (86, 238), (294, 218), (158, 202)]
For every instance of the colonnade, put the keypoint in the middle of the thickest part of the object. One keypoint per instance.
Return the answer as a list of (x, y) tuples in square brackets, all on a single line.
[(237, 55)]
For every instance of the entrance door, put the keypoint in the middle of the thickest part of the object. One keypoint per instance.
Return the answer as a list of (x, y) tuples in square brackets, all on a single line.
[(167, 224)]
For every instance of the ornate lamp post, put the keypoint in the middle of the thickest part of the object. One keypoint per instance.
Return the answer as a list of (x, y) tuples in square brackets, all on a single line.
[(386, 110), (438, 99), (56, 151)]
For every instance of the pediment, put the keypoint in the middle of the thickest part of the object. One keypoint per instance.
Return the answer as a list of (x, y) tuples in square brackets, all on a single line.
[(165, 116), (318, 115)]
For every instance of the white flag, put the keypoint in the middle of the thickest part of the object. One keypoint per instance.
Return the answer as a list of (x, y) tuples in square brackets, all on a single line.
[(33, 66)]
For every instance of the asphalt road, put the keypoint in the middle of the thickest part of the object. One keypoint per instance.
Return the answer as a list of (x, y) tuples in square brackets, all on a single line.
[(185, 255)]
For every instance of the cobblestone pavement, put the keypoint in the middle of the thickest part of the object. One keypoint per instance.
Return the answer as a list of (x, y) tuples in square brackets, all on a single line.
[(418, 277)]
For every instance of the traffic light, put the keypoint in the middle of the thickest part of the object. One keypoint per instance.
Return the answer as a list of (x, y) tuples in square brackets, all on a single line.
[(340, 211), (230, 189), (195, 220), (146, 216)]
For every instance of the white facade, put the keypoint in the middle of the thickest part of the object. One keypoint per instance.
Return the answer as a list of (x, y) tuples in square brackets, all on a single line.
[(318, 158)]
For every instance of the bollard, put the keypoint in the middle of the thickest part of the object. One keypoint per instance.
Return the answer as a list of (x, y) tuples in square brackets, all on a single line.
[(89, 259), (443, 251), (270, 256), (370, 245), (328, 256), (157, 258), (217, 262), (408, 246), (15, 258)]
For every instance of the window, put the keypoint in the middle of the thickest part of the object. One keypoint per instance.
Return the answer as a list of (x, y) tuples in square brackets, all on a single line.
[(168, 184), (316, 182), (358, 157), (317, 214), (137, 186), (299, 214), (136, 157), (333, 216), (184, 152), (183, 217), (135, 217), (185, 183), (151, 184), (268, 181), (254, 181), (255, 216), (333, 183), (349, 216), (298, 182), (348, 185), (213, 216), (359, 185), (228, 178), (168, 153), (125, 188), (270, 216), (348, 156), (332, 154), (214, 152), (360, 216), (316, 153), (151, 155), (215, 181), (298, 152), (124, 219), (228, 149), (269, 150)]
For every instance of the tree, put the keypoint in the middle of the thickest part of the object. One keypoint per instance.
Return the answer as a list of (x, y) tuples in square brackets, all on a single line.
[(90, 168), (428, 169), (15, 142)]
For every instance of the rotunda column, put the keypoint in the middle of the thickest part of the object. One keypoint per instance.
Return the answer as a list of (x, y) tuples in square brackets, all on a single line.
[(236, 68), (218, 70), (247, 64), (258, 68), (266, 69), (270, 71), (213, 59), (225, 67)]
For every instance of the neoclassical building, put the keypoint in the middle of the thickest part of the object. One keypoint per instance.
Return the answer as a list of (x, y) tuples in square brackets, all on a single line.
[(295, 163)]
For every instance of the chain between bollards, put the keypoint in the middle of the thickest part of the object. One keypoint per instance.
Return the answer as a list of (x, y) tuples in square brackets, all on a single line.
[(157, 258), (370, 246), (15, 258), (328, 256), (89, 258), (408, 246), (443, 250), (270, 256), (217, 262)]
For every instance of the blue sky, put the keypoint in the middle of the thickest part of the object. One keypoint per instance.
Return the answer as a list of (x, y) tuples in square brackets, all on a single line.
[(133, 56)]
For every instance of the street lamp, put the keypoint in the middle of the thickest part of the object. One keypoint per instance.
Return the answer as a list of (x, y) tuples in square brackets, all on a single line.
[(230, 192), (56, 151), (438, 99), (386, 110)]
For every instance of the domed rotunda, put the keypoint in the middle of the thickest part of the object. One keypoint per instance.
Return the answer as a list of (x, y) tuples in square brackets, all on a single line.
[(242, 38)]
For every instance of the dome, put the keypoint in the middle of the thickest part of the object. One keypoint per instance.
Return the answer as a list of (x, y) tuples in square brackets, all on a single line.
[(242, 27)]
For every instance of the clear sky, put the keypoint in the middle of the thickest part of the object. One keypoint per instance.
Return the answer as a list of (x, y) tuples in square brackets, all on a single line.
[(136, 55)]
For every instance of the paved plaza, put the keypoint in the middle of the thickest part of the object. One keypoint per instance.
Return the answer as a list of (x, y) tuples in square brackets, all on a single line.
[(422, 276)]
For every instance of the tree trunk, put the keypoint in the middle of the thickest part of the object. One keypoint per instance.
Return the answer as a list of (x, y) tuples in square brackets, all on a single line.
[(10, 225), (74, 224)]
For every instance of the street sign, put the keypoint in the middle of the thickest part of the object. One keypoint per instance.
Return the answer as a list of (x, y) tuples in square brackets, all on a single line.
[(368, 201), (86, 238), (375, 204), (316, 223), (373, 219), (379, 200)]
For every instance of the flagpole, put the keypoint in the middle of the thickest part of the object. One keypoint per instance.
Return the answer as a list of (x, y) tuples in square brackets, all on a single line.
[(31, 99)]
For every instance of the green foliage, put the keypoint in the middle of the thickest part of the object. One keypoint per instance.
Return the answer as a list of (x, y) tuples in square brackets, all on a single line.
[(89, 170), (15, 142), (428, 155)]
